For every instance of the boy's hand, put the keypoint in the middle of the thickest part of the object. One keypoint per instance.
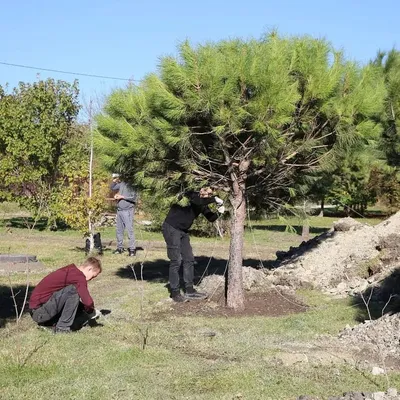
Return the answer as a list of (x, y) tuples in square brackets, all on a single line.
[(94, 314)]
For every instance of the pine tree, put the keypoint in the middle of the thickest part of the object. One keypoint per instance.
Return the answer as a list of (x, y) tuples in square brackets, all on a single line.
[(245, 117), (390, 66)]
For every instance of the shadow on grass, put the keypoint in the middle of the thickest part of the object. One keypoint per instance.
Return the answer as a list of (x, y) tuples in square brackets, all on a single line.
[(379, 300), (106, 249), (28, 222), (282, 228), (8, 312), (157, 270), (333, 213), (290, 256)]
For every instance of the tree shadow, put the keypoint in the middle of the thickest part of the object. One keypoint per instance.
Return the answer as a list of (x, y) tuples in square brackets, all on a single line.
[(379, 300), (283, 228), (336, 213), (157, 270), (28, 222), (286, 257), (106, 249), (8, 312)]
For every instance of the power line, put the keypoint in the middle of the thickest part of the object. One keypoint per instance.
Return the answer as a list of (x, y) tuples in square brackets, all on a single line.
[(68, 72)]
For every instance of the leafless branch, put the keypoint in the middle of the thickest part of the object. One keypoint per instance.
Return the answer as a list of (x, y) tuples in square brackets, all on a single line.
[(367, 302), (387, 303)]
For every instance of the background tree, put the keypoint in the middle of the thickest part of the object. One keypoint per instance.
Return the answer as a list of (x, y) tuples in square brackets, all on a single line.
[(80, 192), (75, 206), (350, 185), (347, 182), (354, 181), (316, 187), (243, 116), (385, 185), (385, 180), (37, 121), (390, 65)]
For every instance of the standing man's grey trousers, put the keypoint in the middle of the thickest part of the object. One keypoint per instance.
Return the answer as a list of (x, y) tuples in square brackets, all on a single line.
[(125, 221)]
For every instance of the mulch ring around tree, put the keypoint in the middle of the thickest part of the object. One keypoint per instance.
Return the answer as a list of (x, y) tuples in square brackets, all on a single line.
[(270, 304)]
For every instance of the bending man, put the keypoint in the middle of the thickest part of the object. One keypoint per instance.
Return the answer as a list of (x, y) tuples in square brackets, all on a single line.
[(175, 231)]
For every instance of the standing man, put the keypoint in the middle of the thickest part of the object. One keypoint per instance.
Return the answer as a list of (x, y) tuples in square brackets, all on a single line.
[(175, 231), (57, 296), (126, 199)]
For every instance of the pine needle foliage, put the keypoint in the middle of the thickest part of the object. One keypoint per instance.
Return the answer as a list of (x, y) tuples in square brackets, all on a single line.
[(284, 104), (244, 116), (389, 63)]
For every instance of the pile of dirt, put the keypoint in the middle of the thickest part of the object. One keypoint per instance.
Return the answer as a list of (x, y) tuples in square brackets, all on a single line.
[(380, 336), (345, 260), (390, 394), (358, 260), (252, 278)]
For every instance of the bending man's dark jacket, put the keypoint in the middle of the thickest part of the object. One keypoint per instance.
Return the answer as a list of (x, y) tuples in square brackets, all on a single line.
[(182, 217)]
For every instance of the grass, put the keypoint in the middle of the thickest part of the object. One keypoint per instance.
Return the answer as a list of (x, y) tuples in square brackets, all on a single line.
[(181, 360)]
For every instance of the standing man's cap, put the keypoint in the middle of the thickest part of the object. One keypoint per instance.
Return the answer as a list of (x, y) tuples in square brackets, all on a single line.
[(115, 175)]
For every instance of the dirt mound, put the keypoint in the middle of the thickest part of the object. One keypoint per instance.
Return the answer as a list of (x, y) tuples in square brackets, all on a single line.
[(390, 394), (345, 260), (252, 278), (381, 335)]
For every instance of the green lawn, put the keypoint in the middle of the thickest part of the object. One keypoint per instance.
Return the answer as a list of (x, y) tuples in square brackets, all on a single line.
[(180, 360)]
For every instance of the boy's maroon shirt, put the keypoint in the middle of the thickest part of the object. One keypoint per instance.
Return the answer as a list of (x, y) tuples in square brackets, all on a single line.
[(57, 280)]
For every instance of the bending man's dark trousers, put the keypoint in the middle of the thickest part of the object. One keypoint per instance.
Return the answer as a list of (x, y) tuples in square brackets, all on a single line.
[(178, 250)]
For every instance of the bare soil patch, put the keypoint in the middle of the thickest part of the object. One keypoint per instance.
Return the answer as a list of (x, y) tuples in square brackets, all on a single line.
[(267, 304)]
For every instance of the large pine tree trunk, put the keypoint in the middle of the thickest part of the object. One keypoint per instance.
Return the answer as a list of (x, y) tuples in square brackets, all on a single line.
[(235, 295)]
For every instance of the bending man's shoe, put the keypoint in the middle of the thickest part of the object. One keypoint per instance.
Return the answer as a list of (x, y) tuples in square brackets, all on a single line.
[(177, 297), (192, 293)]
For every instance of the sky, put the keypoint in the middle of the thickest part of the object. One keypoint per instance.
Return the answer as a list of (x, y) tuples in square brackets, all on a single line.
[(125, 39)]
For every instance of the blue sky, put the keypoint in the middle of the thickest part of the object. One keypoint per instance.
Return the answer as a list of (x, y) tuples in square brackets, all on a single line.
[(125, 39)]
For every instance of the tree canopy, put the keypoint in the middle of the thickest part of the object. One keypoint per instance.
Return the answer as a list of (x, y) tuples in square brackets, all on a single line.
[(37, 131), (279, 102), (242, 116), (390, 65)]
